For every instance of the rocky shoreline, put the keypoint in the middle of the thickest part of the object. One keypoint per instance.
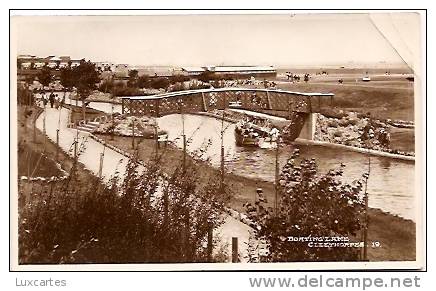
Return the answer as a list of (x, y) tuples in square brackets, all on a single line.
[(357, 132)]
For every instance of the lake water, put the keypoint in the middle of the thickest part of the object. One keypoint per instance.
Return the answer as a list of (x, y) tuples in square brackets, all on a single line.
[(391, 182)]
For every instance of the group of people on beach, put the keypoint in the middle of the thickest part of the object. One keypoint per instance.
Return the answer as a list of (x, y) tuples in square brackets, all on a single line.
[(296, 78)]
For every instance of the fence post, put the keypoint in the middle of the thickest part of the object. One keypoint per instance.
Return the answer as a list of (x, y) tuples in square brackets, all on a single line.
[(34, 130), (100, 168), (133, 133), (156, 139), (209, 243), (234, 249), (57, 144), (184, 153), (44, 128), (75, 150)]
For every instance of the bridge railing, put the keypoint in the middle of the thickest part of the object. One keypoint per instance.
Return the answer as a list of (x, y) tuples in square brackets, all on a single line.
[(209, 99)]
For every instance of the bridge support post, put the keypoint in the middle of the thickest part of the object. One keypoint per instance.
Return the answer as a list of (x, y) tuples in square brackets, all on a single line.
[(309, 127), (269, 100), (204, 102)]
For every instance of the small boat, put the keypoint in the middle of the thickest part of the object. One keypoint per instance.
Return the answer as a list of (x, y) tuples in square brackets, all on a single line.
[(251, 134), (246, 136)]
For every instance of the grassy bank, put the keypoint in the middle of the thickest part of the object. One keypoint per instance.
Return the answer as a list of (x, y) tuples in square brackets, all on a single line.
[(396, 235), (36, 153), (34, 146), (383, 101)]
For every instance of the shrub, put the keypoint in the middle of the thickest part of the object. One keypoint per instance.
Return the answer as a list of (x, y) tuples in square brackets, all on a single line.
[(132, 219), (311, 205)]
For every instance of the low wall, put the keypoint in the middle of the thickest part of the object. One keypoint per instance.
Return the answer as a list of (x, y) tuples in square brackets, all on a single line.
[(356, 149)]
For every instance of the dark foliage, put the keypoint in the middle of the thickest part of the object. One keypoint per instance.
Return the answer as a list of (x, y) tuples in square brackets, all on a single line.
[(311, 205), (45, 76), (144, 216), (85, 78)]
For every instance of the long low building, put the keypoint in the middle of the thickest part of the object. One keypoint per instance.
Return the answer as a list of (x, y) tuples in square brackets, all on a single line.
[(246, 71)]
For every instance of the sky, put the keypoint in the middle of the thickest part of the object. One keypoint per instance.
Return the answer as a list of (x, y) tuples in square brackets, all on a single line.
[(197, 40)]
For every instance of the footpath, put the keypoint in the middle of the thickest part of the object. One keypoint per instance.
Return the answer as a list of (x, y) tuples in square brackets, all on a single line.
[(113, 162)]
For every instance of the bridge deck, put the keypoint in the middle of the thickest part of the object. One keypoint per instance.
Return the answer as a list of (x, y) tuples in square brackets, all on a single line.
[(220, 98), (232, 89)]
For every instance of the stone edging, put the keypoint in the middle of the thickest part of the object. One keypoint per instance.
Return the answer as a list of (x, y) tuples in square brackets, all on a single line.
[(356, 149)]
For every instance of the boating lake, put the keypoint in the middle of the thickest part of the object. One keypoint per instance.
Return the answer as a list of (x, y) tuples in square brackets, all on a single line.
[(390, 185)]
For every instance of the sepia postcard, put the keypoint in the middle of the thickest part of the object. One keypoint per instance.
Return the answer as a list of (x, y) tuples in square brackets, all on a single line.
[(204, 141)]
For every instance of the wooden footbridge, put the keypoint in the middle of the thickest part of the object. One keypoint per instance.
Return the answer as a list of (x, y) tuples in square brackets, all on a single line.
[(209, 99), (298, 106)]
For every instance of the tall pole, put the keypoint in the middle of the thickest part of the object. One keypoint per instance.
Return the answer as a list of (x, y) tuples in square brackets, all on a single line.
[(234, 249), (57, 144), (365, 230), (184, 140), (34, 129), (44, 130), (156, 137), (133, 132), (276, 183), (209, 242), (112, 122), (222, 153)]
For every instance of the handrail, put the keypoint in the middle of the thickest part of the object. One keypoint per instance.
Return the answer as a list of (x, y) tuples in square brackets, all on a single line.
[(188, 92)]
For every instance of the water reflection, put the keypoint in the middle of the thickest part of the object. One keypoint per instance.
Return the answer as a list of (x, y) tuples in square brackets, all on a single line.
[(391, 182)]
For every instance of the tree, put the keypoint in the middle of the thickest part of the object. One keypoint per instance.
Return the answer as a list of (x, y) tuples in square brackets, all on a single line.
[(67, 79), (29, 81), (85, 79), (24, 96), (312, 206), (159, 82), (133, 78), (206, 76), (144, 81), (45, 76)]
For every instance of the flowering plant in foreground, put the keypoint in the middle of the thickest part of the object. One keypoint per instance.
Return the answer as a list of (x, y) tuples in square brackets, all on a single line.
[(310, 205)]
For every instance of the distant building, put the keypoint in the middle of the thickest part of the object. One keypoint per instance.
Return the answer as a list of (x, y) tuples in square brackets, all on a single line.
[(64, 61), (193, 71), (246, 70), (29, 62), (243, 71)]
